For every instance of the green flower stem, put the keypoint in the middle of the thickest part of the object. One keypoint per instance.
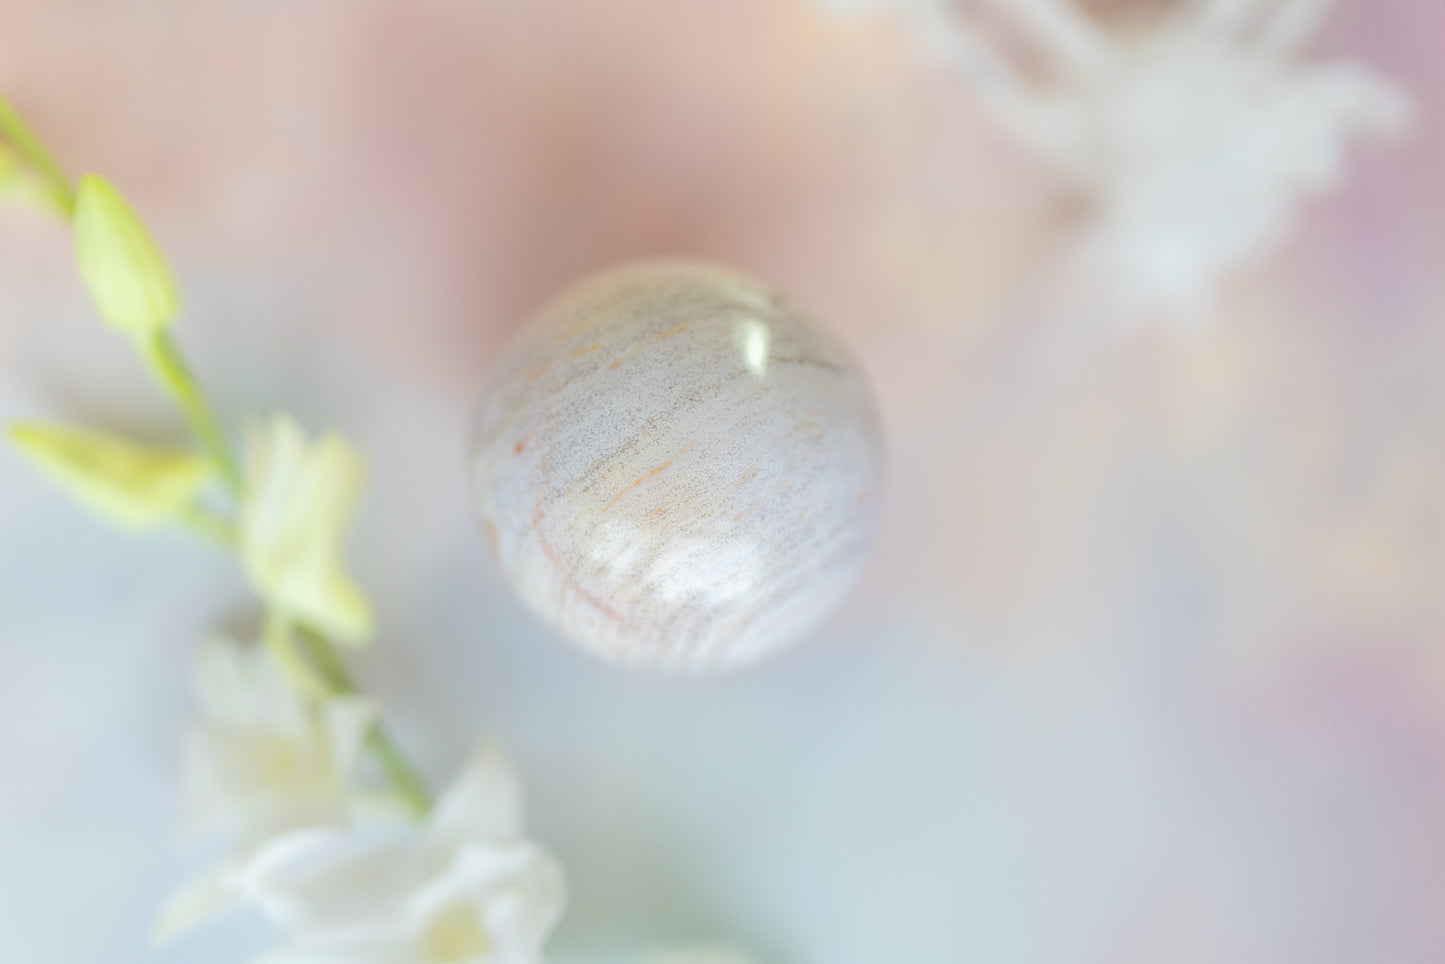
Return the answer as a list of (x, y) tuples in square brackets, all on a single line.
[(321, 673), (280, 638), (23, 139), (318, 673), (404, 777), (164, 357), (409, 785)]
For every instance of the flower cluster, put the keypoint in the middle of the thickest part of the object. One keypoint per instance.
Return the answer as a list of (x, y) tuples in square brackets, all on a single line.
[(1194, 139), (352, 864), (341, 873)]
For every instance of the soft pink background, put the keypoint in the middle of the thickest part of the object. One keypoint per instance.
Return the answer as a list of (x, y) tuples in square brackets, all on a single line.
[(1147, 666)]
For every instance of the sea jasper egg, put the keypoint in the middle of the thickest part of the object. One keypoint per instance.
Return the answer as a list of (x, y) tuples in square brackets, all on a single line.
[(675, 469)]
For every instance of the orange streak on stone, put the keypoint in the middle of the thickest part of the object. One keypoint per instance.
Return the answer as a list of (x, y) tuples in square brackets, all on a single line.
[(647, 475), (567, 575)]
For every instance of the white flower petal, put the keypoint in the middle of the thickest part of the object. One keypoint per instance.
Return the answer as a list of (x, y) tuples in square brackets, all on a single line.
[(353, 883), (241, 685), (261, 760), (223, 888), (517, 888), (520, 917), (485, 800)]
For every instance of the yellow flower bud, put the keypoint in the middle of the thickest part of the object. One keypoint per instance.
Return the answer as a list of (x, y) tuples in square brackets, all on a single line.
[(297, 503), (127, 484), (120, 264)]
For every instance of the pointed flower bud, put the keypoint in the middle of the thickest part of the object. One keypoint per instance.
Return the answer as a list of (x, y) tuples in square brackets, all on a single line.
[(120, 264), (129, 485)]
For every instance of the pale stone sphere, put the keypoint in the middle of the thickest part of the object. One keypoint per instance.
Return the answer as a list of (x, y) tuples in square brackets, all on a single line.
[(675, 469)]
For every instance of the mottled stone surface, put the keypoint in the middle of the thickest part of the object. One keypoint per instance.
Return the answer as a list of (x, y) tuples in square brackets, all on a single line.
[(676, 469)]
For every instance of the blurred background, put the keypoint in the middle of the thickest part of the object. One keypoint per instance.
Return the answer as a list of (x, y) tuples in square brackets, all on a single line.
[(1147, 667)]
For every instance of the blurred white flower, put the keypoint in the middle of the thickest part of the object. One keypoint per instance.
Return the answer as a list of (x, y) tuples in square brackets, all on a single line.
[(298, 501), (1198, 142), (464, 886), (261, 763), (262, 760), (1194, 139)]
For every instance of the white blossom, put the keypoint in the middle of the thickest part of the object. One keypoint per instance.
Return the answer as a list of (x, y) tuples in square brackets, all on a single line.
[(261, 764), (298, 501), (1193, 139), (464, 886)]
